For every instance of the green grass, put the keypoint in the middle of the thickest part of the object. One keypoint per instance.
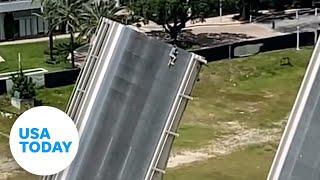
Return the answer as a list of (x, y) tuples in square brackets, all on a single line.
[(56, 97), (32, 56), (194, 136), (5, 127), (256, 91), (251, 163)]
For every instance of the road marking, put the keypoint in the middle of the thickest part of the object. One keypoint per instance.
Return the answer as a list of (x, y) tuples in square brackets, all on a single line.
[(125, 163), (104, 159), (100, 74)]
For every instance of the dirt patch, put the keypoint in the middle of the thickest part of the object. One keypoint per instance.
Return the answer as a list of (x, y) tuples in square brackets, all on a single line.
[(240, 138), (8, 167)]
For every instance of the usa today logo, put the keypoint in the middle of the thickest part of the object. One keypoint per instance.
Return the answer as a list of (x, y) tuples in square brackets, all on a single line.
[(29, 141), (44, 140)]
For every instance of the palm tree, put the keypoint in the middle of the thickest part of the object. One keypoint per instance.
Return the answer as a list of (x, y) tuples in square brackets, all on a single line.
[(68, 14), (48, 13), (93, 11)]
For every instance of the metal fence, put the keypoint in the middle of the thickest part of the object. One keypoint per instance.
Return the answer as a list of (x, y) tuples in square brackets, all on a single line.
[(227, 51), (61, 78), (51, 80)]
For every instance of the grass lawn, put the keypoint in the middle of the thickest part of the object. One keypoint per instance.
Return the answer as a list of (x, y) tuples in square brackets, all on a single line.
[(56, 97), (32, 56), (255, 91), (5, 126), (246, 164)]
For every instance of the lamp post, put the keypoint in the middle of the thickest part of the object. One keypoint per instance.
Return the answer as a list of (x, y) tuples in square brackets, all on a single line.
[(19, 62), (298, 38), (220, 10), (315, 36), (117, 3)]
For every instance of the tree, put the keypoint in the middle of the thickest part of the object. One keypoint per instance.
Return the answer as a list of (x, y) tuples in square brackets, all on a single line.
[(68, 14), (303, 3), (247, 8), (49, 13), (23, 87), (171, 14), (280, 4), (93, 11)]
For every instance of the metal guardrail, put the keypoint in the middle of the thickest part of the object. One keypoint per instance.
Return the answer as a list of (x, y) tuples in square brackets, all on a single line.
[(86, 74), (170, 130), (285, 14)]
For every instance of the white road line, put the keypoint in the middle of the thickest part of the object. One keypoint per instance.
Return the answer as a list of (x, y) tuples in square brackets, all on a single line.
[(124, 164), (93, 96), (95, 74), (104, 158), (100, 79)]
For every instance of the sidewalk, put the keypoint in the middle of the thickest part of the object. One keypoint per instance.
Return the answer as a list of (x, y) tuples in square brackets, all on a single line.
[(213, 21), (24, 41), (224, 24), (249, 29)]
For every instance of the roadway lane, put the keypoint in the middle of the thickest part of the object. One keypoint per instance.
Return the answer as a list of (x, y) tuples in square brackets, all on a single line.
[(126, 111)]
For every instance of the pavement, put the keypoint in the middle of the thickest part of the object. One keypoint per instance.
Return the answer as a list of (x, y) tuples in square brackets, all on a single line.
[(250, 29), (212, 21), (41, 39), (224, 24), (305, 22)]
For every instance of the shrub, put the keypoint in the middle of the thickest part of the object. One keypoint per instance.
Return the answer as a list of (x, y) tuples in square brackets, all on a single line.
[(23, 87)]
